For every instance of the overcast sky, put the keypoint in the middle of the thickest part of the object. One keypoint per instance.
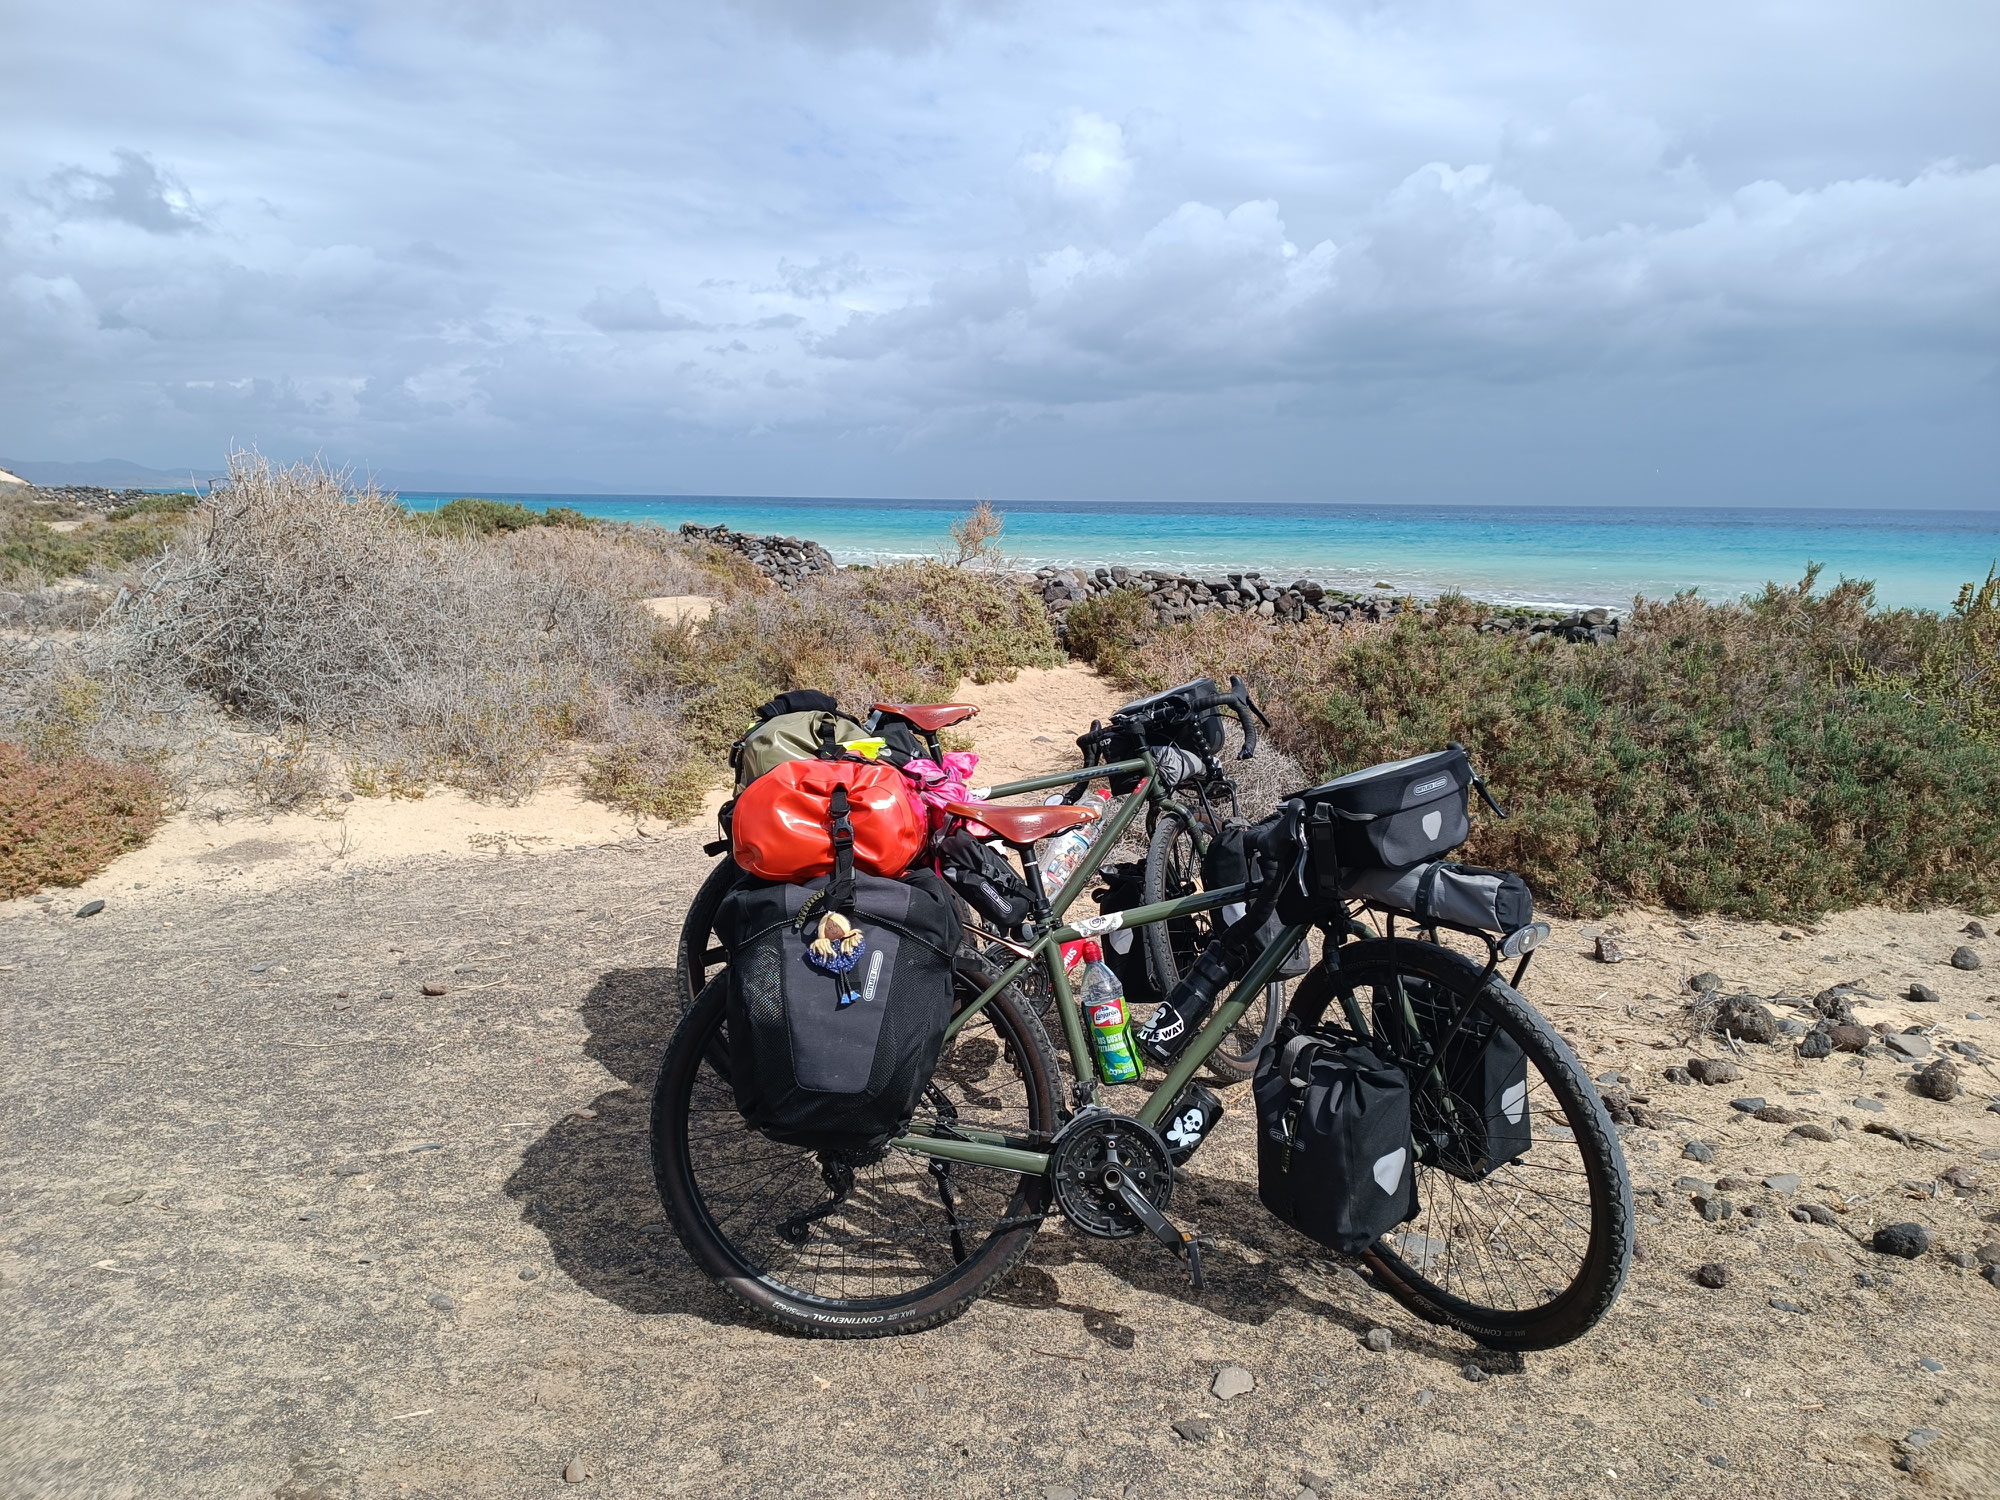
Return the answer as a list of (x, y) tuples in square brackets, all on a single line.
[(1705, 253)]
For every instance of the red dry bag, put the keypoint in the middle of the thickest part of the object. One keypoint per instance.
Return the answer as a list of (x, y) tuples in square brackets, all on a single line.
[(782, 829)]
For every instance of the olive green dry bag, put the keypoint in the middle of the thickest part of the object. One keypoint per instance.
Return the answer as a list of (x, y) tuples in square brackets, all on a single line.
[(793, 736)]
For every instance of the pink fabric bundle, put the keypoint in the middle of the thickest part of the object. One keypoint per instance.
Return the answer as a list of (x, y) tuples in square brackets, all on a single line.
[(933, 785)]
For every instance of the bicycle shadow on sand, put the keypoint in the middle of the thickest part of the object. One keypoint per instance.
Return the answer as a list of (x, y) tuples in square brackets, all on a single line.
[(587, 1182), (587, 1185), (1253, 1273)]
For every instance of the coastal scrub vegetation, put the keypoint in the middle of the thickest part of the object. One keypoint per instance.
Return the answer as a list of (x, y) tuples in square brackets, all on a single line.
[(59, 824), (1781, 757), (304, 633), (34, 552), (291, 633), (909, 632), (472, 517)]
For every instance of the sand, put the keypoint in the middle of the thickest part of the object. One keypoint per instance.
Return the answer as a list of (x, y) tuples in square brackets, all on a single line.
[(678, 608), (270, 1208)]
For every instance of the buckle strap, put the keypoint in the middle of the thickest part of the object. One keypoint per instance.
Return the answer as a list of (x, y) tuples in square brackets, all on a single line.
[(840, 892)]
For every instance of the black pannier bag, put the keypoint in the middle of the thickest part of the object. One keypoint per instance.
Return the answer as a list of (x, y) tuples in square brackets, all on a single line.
[(837, 1061), (1233, 859), (1389, 816), (1333, 1142), (1125, 949), (1441, 891), (981, 875), (1485, 1121)]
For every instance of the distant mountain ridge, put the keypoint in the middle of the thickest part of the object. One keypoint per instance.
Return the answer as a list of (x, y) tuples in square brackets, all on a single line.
[(109, 473)]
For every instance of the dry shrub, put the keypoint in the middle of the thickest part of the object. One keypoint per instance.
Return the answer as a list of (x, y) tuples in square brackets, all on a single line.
[(460, 657), (70, 699), (299, 620), (61, 824), (650, 768), (1767, 759), (66, 607), (288, 771), (975, 536), (909, 632)]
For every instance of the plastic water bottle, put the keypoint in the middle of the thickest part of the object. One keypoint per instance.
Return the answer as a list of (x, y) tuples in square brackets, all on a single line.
[(1110, 1022), (1062, 854)]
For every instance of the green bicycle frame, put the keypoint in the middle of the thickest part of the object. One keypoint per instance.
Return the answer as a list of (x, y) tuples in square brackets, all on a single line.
[(989, 1149)]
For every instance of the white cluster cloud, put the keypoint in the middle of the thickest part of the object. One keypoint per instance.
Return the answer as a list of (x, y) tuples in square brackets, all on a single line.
[(933, 246)]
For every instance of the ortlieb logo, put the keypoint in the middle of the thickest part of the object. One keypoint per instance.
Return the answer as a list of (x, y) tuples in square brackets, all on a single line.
[(1389, 1169), (1423, 789)]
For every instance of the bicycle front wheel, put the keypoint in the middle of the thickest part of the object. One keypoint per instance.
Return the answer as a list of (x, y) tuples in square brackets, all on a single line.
[(1525, 1255), (835, 1247)]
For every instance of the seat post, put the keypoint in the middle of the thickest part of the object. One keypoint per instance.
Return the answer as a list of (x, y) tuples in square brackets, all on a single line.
[(1031, 871)]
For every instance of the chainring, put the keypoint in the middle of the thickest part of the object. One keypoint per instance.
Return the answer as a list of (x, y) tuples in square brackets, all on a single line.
[(1096, 1139)]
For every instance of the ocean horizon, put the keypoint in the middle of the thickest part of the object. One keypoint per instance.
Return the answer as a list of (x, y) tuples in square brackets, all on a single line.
[(1556, 556)]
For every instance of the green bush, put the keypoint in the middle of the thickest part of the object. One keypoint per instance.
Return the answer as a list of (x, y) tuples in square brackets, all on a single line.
[(472, 517), (155, 505), (29, 546), (1769, 759), (1108, 630), (908, 632)]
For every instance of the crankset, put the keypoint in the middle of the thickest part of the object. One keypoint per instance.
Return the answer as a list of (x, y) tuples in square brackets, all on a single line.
[(1113, 1178)]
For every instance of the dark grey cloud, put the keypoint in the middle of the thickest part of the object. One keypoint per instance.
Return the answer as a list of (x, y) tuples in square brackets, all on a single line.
[(636, 310), (134, 191), (1437, 249)]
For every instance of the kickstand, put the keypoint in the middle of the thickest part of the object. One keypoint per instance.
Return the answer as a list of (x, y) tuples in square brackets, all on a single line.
[(941, 1170), (1177, 1240)]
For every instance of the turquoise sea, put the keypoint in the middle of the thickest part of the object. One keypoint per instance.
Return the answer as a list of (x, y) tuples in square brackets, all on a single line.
[(1543, 555)]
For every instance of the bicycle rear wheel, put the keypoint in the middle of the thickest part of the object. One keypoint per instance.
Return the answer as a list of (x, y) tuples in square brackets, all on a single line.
[(1533, 1253), (700, 956), (843, 1248)]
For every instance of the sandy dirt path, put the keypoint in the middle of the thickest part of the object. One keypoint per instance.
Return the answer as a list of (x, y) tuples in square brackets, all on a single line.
[(279, 1224)]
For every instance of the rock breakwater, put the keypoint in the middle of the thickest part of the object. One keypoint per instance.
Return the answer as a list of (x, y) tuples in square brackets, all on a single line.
[(786, 560), (1174, 597)]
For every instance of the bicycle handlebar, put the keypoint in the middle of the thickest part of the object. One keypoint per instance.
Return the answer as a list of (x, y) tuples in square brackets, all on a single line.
[(1238, 703)]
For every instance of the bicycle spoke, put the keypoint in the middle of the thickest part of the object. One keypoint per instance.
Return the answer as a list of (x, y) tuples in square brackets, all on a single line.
[(1507, 1236)]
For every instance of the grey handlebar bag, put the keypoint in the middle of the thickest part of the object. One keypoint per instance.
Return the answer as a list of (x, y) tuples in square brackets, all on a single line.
[(1442, 891)]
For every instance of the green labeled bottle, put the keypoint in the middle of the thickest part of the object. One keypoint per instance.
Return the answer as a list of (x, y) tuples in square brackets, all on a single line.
[(1110, 1022)]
